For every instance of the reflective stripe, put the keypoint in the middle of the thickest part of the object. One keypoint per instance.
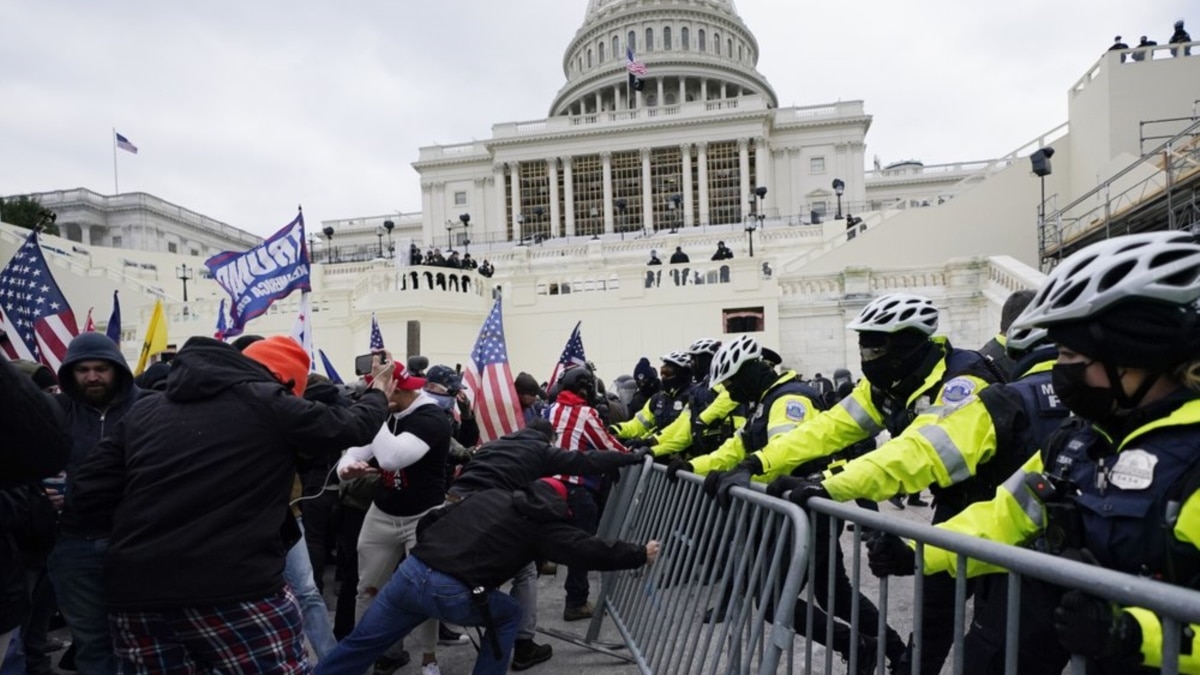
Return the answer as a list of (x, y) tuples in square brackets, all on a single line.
[(780, 429), (1029, 503), (860, 415), (952, 458), (645, 422)]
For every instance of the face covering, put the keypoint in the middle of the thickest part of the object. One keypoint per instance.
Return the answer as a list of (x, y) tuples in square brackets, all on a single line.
[(888, 370), (1094, 404), (443, 401)]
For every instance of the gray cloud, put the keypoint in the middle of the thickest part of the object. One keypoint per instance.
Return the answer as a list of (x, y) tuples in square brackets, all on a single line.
[(244, 109)]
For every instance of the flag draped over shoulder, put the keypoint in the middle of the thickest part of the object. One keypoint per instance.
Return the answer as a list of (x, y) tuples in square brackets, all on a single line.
[(34, 314), (156, 337), (490, 380), (113, 329), (572, 354), (262, 275)]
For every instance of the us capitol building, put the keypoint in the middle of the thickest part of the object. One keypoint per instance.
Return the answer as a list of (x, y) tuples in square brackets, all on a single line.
[(567, 209)]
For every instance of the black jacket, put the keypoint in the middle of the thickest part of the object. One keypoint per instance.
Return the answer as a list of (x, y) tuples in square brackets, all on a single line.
[(89, 424), (196, 481), (518, 459), (485, 540)]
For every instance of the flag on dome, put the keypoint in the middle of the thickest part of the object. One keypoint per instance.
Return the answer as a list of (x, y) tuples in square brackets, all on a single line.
[(34, 314), (490, 380), (376, 335), (637, 70), (572, 354)]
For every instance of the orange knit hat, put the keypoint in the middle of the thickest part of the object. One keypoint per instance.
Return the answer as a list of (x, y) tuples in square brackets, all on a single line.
[(285, 358)]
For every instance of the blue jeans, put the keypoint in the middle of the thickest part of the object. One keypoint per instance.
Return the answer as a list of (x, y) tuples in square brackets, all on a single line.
[(415, 594), (77, 571), (298, 573)]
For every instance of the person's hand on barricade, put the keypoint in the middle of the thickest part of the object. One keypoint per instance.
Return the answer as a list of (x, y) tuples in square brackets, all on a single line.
[(806, 490), (651, 552), (889, 556), (738, 477), (678, 464), (1096, 628), (638, 454), (782, 485), (710, 483), (639, 442)]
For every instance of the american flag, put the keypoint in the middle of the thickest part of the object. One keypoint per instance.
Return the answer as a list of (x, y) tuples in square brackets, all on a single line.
[(222, 324), (572, 354), (489, 377), (89, 326), (376, 336), (636, 68), (302, 330), (124, 144), (33, 311)]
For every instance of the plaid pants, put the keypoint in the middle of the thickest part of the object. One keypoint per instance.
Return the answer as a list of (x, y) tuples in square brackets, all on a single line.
[(262, 636)]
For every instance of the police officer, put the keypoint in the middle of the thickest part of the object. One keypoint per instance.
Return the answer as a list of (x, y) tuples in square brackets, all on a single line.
[(1123, 479), (968, 454), (711, 418), (908, 372), (665, 405)]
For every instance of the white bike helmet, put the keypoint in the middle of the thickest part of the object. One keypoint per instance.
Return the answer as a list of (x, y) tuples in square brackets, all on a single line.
[(1022, 339), (704, 346), (1162, 267), (895, 312), (730, 359), (678, 359)]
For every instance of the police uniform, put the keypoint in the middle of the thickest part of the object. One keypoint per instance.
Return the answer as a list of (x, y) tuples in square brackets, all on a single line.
[(659, 412), (709, 408), (1137, 506)]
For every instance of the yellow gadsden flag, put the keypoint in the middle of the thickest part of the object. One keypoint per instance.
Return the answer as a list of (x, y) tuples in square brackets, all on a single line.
[(156, 337)]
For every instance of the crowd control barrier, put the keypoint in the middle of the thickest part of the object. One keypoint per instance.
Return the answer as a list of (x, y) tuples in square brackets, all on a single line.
[(721, 596), (1176, 606)]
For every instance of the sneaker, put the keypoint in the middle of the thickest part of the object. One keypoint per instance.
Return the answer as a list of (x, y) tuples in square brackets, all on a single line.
[(431, 669), (897, 501), (449, 637), (386, 665), (527, 654), (583, 611)]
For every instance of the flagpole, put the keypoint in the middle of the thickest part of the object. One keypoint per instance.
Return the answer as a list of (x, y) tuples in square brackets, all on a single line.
[(116, 184)]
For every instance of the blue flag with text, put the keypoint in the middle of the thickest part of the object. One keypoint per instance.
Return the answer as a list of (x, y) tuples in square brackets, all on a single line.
[(262, 275)]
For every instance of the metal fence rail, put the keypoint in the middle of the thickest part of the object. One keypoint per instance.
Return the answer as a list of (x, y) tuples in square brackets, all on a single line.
[(721, 596)]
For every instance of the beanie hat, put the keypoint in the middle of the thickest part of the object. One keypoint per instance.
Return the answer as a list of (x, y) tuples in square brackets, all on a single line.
[(285, 358), (643, 371), (1135, 334), (527, 385), (42, 376)]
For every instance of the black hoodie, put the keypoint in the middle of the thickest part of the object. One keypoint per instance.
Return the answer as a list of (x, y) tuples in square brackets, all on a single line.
[(485, 540), (87, 423), (196, 481)]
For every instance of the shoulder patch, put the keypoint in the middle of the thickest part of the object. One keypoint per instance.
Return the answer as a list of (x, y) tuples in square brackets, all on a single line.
[(958, 391), (795, 411)]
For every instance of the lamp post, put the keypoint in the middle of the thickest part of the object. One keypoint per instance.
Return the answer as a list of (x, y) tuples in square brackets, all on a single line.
[(312, 247), (520, 228), (1040, 161), (328, 232), (379, 238), (756, 218), (465, 219), (388, 226), (621, 205), (838, 188), (751, 226), (185, 274)]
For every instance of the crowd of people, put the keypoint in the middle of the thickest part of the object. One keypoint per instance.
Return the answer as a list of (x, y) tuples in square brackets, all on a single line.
[(202, 501), (434, 258), (1178, 37)]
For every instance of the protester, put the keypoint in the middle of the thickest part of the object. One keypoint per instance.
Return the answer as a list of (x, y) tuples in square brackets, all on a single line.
[(465, 552), (194, 485), (531, 396)]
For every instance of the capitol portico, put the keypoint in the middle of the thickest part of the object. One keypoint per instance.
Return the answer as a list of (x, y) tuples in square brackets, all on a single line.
[(568, 207)]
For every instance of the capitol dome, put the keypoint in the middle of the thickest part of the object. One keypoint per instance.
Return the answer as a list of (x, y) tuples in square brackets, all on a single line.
[(694, 50)]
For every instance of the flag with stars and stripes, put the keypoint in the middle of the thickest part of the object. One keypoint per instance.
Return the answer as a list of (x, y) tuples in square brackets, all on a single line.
[(572, 355), (33, 311), (302, 330), (376, 335), (490, 381)]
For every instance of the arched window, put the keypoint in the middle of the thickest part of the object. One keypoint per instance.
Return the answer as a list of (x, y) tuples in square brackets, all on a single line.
[(649, 39), (667, 38), (685, 40), (700, 42), (729, 45), (717, 43), (589, 59), (600, 51), (741, 54), (616, 47), (631, 41)]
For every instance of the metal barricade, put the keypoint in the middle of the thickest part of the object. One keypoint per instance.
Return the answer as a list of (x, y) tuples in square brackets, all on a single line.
[(1176, 606), (721, 597)]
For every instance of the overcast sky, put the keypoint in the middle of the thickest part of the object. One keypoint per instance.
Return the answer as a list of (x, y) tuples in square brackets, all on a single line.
[(242, 109)]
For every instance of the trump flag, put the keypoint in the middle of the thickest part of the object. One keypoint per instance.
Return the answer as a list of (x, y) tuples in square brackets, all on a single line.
[(262, 275)]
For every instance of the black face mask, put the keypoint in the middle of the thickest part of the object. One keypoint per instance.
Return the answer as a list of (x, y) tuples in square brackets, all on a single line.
[(890, 369), (1094, 404)]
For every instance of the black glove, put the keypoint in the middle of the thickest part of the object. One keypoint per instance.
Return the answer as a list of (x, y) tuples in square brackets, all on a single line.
[(779, 486), (1096, 628), (676, 466), (888, 555), (637, 443), (738, 477), (807, 490), (710, 482), (638, 455)]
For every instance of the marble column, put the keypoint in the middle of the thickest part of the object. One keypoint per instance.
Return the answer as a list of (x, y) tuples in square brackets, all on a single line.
[(647, 193), (702, 157), (569, 194), (762, 169), (606, 156), (689, 213), (514, 168), (497, 221), (660, 100), (555, 213), (744, 174)]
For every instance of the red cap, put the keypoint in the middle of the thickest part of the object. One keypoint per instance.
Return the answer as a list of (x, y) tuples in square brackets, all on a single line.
[(557, 485), (404, 380)]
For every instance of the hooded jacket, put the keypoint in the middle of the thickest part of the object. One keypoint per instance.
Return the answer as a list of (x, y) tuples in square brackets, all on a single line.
[(87, 423), (195, 481), (485, 540)]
